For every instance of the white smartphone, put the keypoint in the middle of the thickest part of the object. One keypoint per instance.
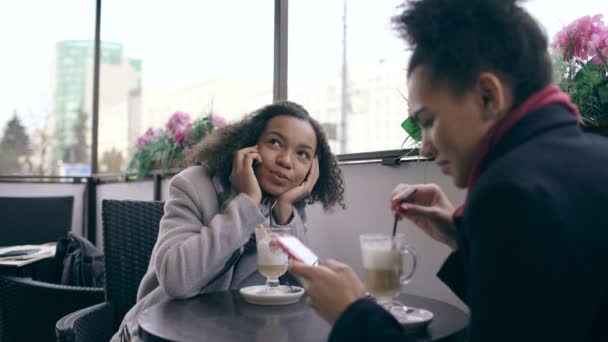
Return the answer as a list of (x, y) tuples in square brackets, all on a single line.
[(297, 250)]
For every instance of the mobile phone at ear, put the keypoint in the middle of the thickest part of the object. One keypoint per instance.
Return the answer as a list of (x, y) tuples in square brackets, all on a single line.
[(297, 250)]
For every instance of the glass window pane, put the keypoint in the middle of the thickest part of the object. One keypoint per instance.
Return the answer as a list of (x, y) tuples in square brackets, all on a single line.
[(195, 57), (44, 121), (360, 80)]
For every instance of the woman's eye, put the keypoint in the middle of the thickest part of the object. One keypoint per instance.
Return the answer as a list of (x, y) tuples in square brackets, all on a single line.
[(427, 123), (304, 155), (274, 142)]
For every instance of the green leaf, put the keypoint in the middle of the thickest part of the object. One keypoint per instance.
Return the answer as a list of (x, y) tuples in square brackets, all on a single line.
[(602, 94), (411, 127)]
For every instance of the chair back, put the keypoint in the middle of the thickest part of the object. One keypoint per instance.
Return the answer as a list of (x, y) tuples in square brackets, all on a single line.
[(29, 309), (130, 229), (34, 220)]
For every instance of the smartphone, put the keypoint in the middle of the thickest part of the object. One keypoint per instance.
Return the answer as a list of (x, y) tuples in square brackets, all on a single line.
[(297, 250)]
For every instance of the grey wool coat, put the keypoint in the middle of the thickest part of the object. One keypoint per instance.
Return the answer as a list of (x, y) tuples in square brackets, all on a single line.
[(204, 229)]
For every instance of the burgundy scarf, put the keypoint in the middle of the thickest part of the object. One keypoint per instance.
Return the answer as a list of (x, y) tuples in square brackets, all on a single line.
[(549, 95)]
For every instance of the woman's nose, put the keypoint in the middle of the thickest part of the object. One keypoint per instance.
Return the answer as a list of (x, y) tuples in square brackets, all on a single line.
[(428, 149), (284, 160)]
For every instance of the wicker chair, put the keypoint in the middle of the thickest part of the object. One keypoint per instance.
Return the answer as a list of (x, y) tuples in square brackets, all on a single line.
[(34, 220), (130, 229), (29, 309)]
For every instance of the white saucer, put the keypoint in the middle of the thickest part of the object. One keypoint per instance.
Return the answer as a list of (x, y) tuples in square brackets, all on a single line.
[(414, 319), (252, 295)]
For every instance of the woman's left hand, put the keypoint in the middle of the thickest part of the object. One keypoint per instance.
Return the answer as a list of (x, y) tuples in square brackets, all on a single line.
[(284, 206), (330, 288)]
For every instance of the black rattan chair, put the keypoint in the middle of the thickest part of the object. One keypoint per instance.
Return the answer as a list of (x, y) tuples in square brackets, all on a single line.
[(34, 220), (29, 309), (130, 229)]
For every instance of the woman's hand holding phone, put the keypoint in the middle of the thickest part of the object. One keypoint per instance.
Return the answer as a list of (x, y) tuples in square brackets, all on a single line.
[(331, 288), (242, 176)]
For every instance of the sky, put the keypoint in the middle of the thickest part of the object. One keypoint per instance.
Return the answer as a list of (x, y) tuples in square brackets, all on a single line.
[(184, 42)]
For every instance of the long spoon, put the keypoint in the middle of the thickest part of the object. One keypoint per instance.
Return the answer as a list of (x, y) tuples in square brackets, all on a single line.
[(407, 195)]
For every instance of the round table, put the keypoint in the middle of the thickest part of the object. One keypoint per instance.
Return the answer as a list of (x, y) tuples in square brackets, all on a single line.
[(225, 316)]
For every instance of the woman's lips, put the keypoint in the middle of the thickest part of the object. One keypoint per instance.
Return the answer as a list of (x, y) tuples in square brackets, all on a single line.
[(279, 177)]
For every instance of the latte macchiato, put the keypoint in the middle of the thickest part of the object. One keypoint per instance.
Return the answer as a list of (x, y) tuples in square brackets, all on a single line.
[(272, 271), (386, 271), (272, 261), (382, 264)]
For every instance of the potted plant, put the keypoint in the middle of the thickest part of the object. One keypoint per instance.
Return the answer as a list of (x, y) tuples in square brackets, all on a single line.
[(581, 64), (163, 149)]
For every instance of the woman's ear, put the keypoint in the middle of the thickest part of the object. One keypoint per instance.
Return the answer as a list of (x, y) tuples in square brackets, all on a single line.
[(494, 96)]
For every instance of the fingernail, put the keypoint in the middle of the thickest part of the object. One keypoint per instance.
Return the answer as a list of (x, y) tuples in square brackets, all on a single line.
[(404, 207)]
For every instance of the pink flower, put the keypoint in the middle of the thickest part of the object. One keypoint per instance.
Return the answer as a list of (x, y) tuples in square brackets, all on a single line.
[(217, 120), (178, 119), (583, 38), (181, 133), (146, 138), (598, 47)]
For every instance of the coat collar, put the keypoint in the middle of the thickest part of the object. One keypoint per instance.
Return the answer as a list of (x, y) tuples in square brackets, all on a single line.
[(526, 120)]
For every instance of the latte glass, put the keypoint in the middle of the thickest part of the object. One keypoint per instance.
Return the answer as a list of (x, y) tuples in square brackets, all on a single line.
[(389, 264), (272, 260)]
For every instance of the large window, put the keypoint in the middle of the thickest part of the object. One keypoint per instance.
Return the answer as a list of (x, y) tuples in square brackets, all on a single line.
[(196, 57), (346, 66), (44, 121)]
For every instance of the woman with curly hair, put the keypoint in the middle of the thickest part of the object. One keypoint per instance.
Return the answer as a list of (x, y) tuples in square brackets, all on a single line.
[(265, 167), (529, 244)]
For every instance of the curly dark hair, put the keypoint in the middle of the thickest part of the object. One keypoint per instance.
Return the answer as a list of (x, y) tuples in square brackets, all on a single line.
[(217, 150), (460, 39)]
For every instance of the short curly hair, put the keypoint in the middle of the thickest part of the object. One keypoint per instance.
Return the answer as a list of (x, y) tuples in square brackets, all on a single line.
[(217, 150), (460, 39)]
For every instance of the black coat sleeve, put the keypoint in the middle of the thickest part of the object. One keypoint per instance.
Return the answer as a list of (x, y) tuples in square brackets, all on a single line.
[(453, 274), (365, 320)]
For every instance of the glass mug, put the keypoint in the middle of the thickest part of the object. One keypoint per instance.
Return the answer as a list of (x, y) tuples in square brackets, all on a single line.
[(272, 260), (386, 269)]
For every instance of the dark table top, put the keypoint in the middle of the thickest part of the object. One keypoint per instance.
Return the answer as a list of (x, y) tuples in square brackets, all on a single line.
[(225, 316)]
